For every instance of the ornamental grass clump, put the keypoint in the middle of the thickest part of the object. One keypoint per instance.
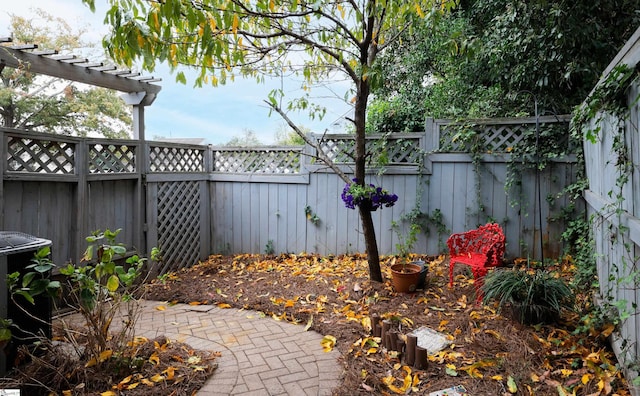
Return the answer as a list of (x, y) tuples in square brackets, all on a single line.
[(533, 296), (355, 194)]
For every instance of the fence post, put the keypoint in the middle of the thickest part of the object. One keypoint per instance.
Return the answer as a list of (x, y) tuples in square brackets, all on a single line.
[(142, 224), (3, 166), (82, 168), (432, 135)]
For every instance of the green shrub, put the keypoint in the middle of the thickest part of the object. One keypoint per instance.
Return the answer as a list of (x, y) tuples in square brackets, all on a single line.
[(532, 296)]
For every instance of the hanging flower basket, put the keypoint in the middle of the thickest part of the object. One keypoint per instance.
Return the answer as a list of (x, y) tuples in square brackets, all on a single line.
[(367, 196)]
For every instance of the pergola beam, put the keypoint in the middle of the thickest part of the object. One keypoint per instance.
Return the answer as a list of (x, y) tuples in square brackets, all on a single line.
[(75, 69)]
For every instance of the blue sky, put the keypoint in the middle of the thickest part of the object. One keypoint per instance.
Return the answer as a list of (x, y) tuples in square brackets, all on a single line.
[(216, 114)]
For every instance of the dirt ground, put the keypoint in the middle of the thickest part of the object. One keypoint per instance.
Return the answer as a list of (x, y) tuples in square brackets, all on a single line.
[(489, 354)]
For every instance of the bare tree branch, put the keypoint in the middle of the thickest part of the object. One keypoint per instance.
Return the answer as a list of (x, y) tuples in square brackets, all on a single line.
[(321, 155)]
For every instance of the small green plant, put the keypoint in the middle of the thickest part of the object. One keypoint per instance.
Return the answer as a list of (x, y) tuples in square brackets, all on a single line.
[(312, 217), (36, 281), (269, 248), (533, 296), (5, 330), (101, 289), (405, 244)]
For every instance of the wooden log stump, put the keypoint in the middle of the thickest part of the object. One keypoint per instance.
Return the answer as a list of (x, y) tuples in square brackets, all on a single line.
[(422, 360), (411, 345), (386, 327), (393, 340), (400, 344), (375, 325)]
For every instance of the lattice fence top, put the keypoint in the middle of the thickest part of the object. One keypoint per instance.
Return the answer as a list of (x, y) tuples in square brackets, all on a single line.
[(40, 156), (395, 149), (112, 158), (503, 137), (176, 159), (257, 160)]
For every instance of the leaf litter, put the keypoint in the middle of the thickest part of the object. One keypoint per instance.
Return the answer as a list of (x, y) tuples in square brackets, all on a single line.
[(487, 354)]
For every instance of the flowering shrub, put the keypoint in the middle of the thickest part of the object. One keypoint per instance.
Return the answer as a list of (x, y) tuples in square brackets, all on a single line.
[(355, 194)]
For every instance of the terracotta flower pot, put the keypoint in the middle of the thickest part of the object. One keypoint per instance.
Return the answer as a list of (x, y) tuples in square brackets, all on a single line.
[(405, 277)]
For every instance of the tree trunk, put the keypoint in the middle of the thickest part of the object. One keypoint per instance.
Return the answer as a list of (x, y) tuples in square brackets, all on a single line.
[(373, 257)]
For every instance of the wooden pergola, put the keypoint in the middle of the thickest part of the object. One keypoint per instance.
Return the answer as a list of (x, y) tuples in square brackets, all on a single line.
[(137, 91)]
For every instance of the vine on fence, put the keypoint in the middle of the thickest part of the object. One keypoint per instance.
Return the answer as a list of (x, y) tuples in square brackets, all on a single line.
[(609, 102)]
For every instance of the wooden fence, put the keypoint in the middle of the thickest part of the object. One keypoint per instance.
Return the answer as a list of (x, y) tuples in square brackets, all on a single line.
[(192, 201), (613, 203), (258, 210)]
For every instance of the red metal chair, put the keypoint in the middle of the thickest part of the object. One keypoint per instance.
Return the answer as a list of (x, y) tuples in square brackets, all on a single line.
[(480, 249)]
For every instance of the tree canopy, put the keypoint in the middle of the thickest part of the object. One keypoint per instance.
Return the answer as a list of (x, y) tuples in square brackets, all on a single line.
[(487, 58), (46, 104), (318, 40)]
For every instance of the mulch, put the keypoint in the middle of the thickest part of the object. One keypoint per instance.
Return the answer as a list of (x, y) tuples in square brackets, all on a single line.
[(489, 354)]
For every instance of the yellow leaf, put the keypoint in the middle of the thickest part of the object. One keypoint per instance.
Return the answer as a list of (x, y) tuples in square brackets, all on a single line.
[(535, 377), (147, 382), (328, 342), (157, 378), (236, 22), (194, 303), (586, 378), (104, 355), (92, 362), (156, 22), (194, 359), (309, 323), (224, 305), (511, 385), (161, 307), (495, 334), (366, 323), (154, 358), (566, 372), (126, 380), (608, 329), (170, 371), (133, 386), (66, 393), (140, 40), (108, 393), (497, 378)]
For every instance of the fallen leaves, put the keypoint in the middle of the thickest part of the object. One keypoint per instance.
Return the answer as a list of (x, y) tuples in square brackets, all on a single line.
[(409, 382), (172, 362), (328, 342), (487, 350)]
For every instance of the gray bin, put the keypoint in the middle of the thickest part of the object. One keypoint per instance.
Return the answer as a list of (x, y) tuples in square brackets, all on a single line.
[(16, 251)]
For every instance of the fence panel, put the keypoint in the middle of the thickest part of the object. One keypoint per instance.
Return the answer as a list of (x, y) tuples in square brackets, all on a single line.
[(196, 200), (614, 205)]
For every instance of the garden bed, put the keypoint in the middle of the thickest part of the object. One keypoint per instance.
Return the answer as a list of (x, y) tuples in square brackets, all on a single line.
[(489, 354)]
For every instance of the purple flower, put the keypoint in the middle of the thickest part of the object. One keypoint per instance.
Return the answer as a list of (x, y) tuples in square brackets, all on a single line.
[(355, 194)]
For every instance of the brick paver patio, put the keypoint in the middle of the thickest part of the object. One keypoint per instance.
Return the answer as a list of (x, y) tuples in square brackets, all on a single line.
[(260, 356)]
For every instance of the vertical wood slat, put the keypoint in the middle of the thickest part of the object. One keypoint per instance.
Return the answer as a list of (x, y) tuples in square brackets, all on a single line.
[(3, 167), (81, 170)]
